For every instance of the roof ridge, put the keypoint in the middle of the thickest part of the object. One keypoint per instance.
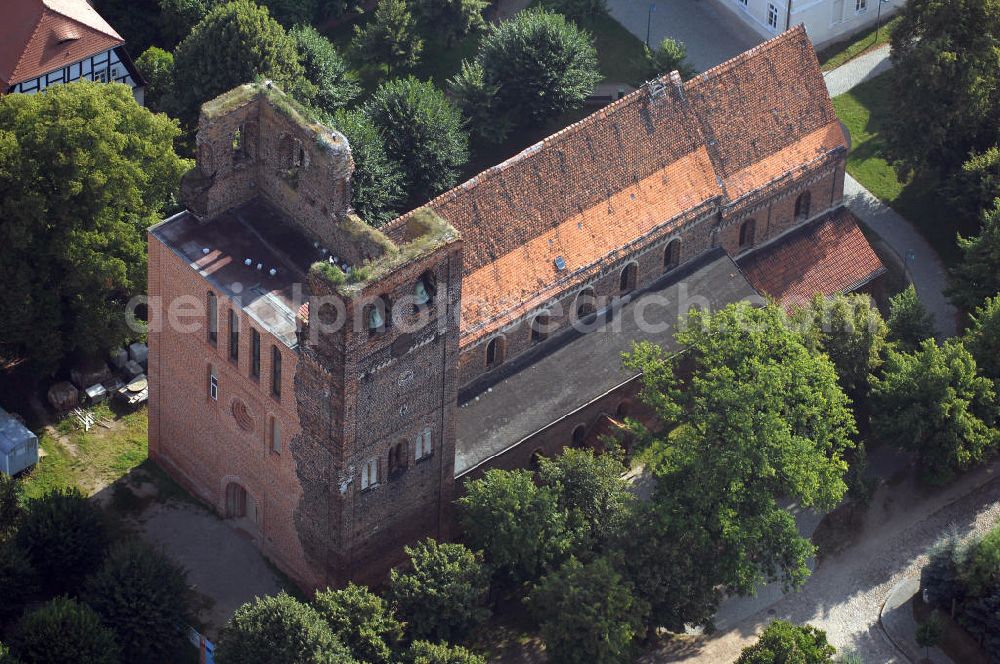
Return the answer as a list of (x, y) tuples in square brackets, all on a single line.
[(739, 58), (50, 5), (535, 148)]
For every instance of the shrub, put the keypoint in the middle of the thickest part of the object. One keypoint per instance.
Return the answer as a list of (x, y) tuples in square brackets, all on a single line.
[(143, 596), (361, 620), (17, 579), (784, 642), (64, 535), (64, 631), (423, 652), (442, 596), (279, 630)]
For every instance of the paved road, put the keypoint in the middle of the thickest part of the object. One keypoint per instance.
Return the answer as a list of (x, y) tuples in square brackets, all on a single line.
[(846, 592), (857, 71), (923, 265), (710, 34)]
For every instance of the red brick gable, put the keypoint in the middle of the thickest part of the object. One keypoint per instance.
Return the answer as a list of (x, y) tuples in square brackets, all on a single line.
[(828, 256)]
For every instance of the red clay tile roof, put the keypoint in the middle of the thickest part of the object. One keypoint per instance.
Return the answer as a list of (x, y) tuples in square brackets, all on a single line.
[(39, 36), (830, 255), (642, 163)]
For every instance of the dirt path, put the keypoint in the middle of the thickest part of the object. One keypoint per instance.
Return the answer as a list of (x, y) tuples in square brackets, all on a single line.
[(845, 593)]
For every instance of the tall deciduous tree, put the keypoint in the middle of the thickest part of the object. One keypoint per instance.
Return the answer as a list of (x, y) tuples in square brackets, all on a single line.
[(389, 39), (64, 631), (328, 84), (848, 329), (474, 95), (178, 17), (423, 130), (377, 183), (362, 621), (143, 597), (157, 67), (591, 492), (946, 94), (977, 277), (778, 425), (588, 613), (976, 187), (517, 523), (782, 642), (442, 595), (934, 403), (279, 630), (909, 321), (541, 64), (84, 170), (983, 338), (424, 652), (578, 9), (235, 43), (451, 19), (65, 536)]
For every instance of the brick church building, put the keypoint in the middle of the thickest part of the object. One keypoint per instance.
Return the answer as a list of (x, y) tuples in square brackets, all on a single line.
[(329, 385)]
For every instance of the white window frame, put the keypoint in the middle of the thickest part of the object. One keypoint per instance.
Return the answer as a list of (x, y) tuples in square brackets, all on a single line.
[(860, 6), (772, 13), (369, 474), (213, 386), (743, 2), (425, 445)]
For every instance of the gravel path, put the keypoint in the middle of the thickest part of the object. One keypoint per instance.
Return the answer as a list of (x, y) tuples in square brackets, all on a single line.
[(858, 70), (845, 593)]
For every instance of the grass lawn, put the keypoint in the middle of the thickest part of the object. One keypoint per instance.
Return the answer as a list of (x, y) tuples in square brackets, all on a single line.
[(91, 459), (837, 54), (864, 110)]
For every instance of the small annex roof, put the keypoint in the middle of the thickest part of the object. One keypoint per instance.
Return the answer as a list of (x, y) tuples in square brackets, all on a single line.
[(649, 162), (13, 434), (531, 392), (830, 255), (40, 36)]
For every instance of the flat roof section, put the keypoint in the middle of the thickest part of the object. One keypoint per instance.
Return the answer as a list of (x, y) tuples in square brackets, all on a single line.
[(257, 231), (583, 366)]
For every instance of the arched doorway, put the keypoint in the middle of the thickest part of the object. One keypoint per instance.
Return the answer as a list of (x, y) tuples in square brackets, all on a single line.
[(236, 501)]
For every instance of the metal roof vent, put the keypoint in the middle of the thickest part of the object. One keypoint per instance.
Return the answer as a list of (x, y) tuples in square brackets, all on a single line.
[(560, 264)]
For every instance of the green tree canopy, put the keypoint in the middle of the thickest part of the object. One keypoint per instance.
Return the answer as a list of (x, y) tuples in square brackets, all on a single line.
[(784, 643), (84, 170), (279, 630), (934, 403), (578, 9), (778, 425), (65, 536), (590, 490), (362, 621), (850, 330), (976, 187), (17, 578), (541, 64), (909, 321), (588, 613), (178, 17), (235, 43), (142, 596), (451, 19), (977, 277), (377, 183), (424, 132), (945, 91), (63, 631), (390, 38), (7, 658), (517, 523), (157, 67), (328, 83), (474, 96), (424, 652), (441, 595), (669, 55), (983, 338), (11, 509)]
